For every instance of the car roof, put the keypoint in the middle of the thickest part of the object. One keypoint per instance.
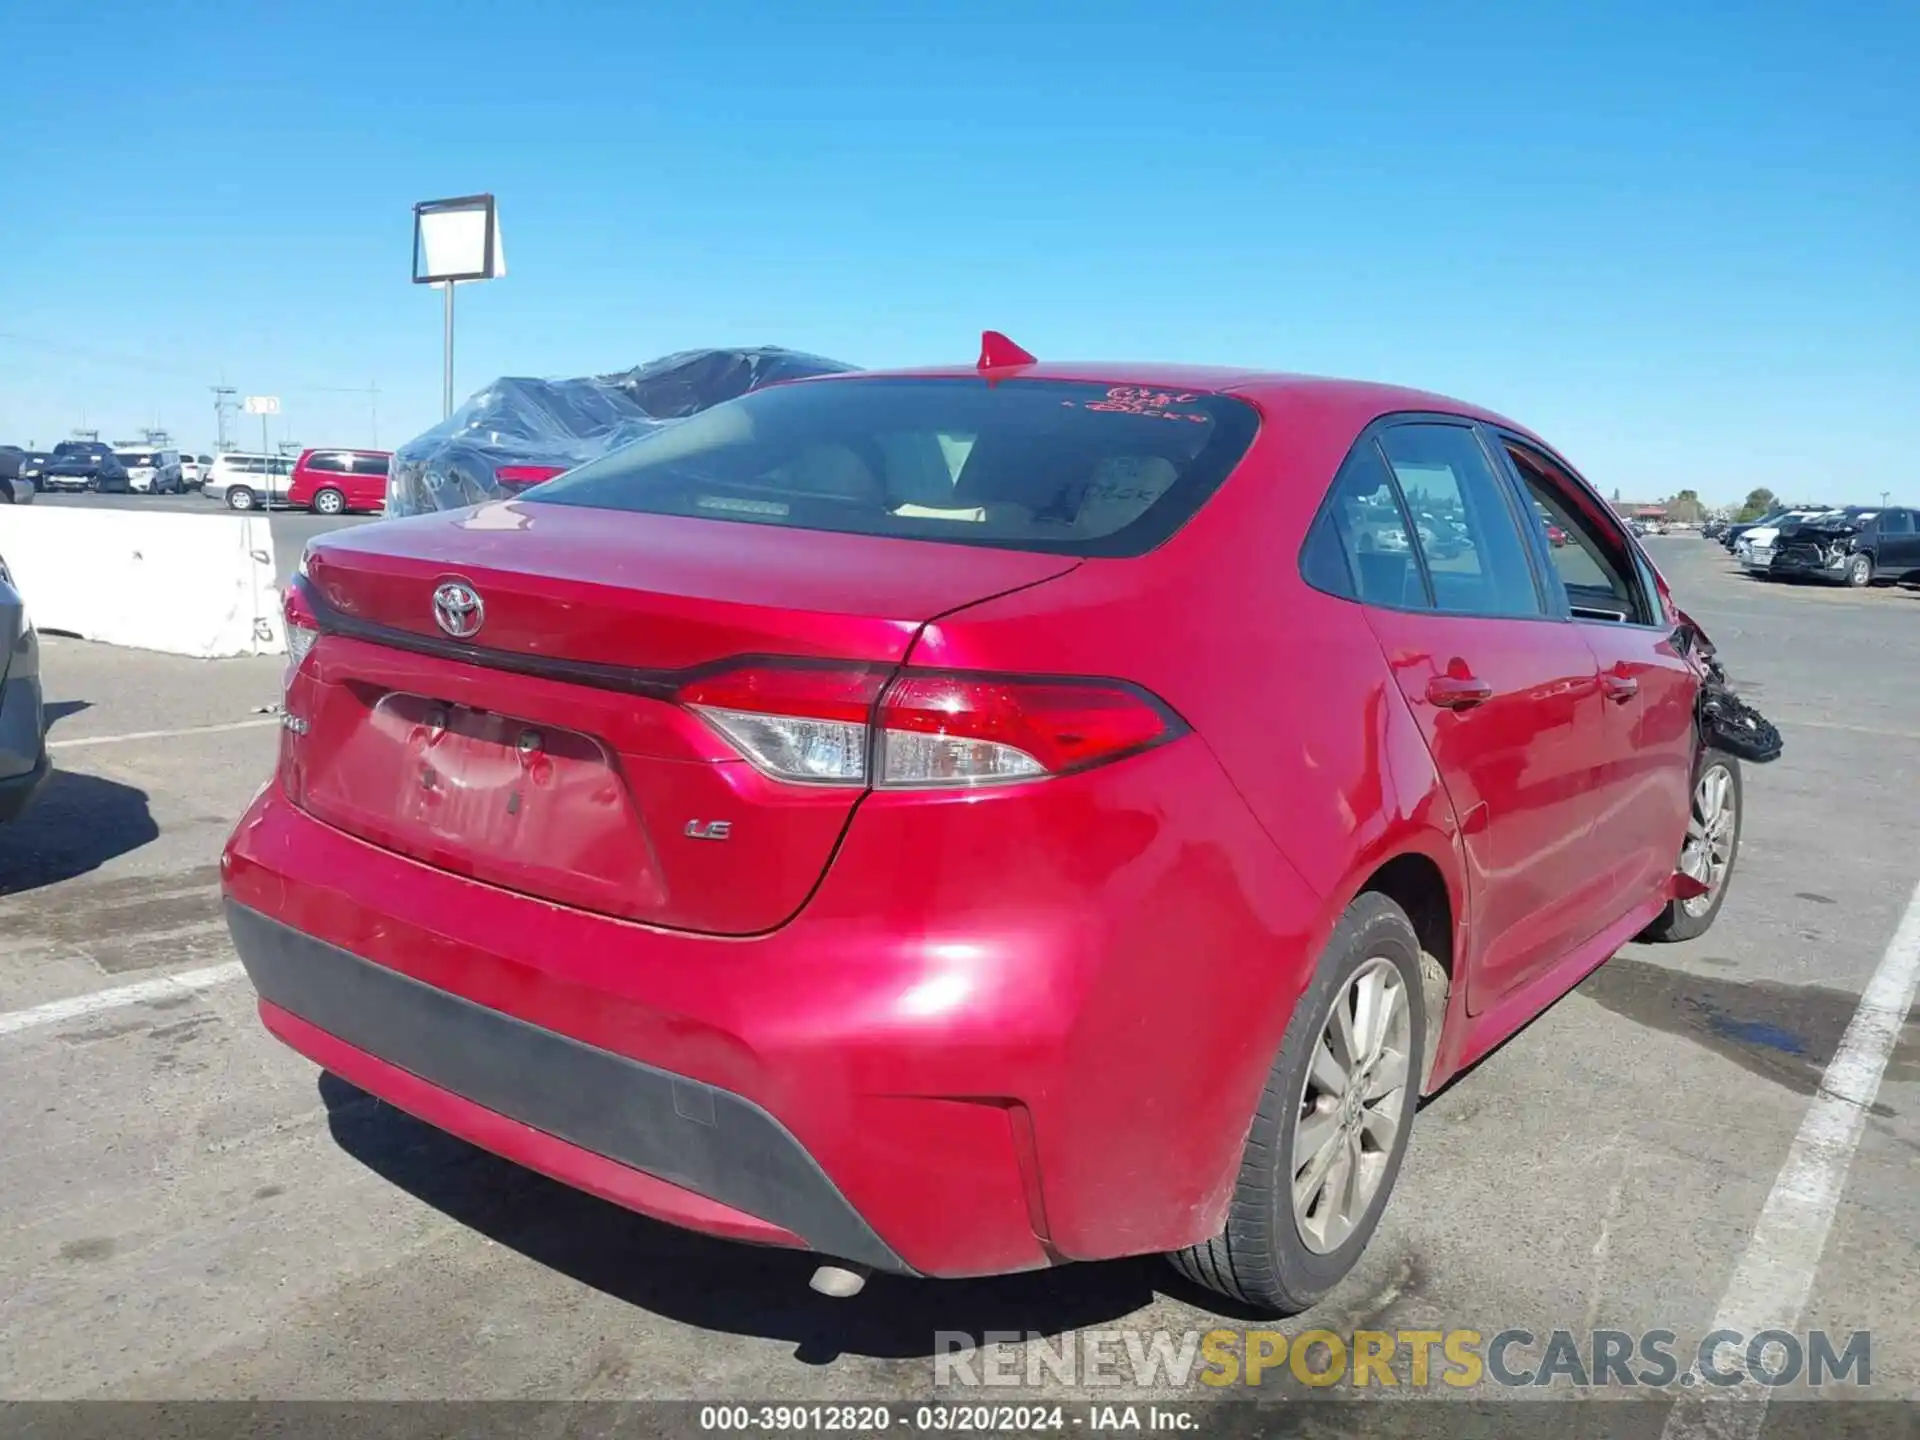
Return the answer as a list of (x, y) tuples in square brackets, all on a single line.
[(1325, 398)]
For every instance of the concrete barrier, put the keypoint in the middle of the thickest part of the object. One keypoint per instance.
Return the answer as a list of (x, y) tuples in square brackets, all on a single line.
[(188, 584)]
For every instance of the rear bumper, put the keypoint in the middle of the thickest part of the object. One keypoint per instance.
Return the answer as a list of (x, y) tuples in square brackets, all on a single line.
[(978, 1049), (382, 1029)]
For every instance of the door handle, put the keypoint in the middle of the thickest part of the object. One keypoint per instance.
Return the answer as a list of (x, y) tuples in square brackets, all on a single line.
[(1619, 688), (1457, 692)]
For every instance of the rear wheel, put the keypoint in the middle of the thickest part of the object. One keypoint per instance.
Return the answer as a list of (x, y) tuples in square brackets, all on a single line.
[(329, 502), (1326, 1143), (239, 497), (1860, 571), (1708, 853)]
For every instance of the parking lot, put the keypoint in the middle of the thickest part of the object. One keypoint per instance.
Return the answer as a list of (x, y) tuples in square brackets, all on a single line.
[(190, 1210)]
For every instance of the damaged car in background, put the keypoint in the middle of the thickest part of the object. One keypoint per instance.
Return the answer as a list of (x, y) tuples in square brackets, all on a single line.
[(1855, 546), (1754, 550), (518, 432)]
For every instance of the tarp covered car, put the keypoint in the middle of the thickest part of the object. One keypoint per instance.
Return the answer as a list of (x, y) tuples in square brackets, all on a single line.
[(516, 432)]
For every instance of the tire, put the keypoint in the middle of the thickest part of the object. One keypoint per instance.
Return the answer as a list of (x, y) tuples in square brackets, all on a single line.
[(1690, 919), (329, 502), (1265, 1258), (1860, 571), (239, 497)]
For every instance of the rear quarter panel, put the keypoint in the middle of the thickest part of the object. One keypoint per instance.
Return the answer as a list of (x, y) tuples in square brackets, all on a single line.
[(1285, 686)]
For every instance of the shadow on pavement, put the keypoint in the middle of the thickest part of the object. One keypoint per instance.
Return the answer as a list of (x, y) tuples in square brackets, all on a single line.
[(55, 711), (716, 1284), (75, 824)]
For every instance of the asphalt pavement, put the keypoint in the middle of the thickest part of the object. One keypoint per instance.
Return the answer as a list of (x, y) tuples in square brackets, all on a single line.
[(291, 528), (189, 1210)]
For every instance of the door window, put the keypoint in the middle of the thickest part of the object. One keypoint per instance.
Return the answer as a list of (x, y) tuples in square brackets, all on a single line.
[(1896, 522), (1592, 559), (1463, 521)]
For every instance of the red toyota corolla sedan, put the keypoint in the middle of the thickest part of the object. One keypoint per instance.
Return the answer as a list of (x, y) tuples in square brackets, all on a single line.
[(964, 821)]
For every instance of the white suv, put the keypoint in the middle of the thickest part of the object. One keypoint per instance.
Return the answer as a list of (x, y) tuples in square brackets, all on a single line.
[(152, 472), (247, 481)]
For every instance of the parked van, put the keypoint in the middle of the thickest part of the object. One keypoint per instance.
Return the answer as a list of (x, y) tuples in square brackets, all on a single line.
[(332, 482)]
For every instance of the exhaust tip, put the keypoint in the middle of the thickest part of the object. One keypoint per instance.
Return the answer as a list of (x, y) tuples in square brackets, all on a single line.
[(840, 1282)]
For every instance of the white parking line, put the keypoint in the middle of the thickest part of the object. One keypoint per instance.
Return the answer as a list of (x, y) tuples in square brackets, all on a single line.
[(1769, 1289), (54, 1011), (162, 734)]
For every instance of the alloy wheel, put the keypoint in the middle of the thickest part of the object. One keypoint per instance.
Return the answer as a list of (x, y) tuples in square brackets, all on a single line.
[(1707, 853), (1352, 1105)]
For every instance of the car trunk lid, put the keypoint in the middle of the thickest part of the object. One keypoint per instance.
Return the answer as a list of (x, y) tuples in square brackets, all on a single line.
[(544, 749)]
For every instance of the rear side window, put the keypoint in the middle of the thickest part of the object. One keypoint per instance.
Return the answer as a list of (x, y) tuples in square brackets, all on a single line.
[(1360, 546), (1062, 467), (1463, 522), (330, 461)]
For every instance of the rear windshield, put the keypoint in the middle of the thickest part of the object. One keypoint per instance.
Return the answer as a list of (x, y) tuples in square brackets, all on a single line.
[(1056, 466)]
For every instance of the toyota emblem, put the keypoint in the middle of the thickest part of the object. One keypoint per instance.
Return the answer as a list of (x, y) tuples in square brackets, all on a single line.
[(457, 609)]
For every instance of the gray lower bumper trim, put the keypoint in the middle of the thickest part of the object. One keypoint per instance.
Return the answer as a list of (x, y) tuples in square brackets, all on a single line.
[(702, 1138)]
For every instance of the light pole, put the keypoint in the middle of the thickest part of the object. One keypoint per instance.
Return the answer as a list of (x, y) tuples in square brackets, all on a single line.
[(455, 242)]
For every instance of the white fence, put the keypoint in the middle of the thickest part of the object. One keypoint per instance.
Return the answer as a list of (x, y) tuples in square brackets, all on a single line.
[(188, 584)]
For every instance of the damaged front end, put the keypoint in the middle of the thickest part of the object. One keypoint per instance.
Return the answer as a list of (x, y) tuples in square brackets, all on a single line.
[(1817, 549), (1724, 721)]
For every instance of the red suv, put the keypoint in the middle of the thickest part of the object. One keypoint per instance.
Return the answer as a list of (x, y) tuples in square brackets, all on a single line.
[(332, 482), (963, 821)]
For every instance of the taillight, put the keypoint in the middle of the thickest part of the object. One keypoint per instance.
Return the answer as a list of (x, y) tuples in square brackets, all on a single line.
[(520, 477), (969, 730), (806, 723), (302, 628), (845, 725)]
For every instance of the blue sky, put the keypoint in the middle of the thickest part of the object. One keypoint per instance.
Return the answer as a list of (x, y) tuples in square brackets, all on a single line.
[(1685, 249)]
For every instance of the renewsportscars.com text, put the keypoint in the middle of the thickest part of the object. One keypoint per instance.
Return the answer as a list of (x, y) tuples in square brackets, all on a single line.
[(1414, 1359)]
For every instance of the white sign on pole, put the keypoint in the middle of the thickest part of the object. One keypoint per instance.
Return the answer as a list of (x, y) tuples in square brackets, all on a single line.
[(263, 404)]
